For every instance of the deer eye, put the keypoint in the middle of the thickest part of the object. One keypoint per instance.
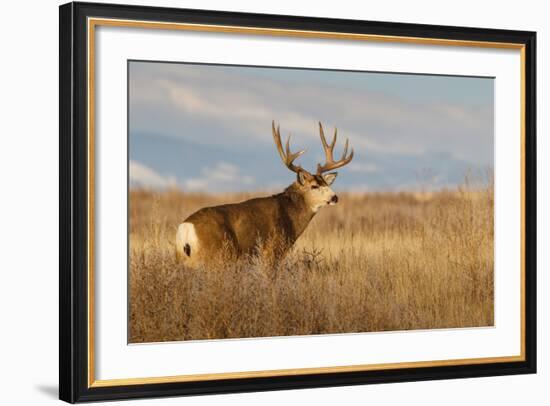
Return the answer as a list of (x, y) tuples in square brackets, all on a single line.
[(315, 186)]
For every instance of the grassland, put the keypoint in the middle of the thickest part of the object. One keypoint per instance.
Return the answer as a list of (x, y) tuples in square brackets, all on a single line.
[(373, 262)]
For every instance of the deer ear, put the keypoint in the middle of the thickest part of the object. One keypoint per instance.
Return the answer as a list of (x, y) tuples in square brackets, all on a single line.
[(301, 177), (330, 177)]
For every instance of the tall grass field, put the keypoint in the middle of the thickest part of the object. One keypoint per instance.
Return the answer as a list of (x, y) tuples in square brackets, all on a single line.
[(373, 262)]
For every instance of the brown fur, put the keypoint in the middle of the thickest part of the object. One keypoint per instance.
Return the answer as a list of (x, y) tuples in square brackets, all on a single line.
[(279, 219), (271, 224)]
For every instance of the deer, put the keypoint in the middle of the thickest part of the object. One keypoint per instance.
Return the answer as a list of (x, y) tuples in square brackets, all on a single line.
[(239, 228)]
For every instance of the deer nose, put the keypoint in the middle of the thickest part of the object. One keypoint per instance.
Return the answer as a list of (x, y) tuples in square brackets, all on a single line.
[(334, 199)]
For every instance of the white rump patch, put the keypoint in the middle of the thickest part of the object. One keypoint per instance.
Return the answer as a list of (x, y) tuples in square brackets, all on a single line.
[(186, 240)]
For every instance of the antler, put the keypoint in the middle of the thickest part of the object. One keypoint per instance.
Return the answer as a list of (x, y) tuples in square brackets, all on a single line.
[(329, 149), (287, 157)]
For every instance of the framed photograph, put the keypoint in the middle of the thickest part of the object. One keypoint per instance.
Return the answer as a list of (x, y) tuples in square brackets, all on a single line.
[(256, 202)]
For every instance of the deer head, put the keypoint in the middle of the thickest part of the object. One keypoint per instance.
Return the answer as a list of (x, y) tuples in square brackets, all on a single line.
[(315, 188)]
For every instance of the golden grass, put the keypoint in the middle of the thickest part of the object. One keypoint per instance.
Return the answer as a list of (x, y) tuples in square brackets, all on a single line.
[(373, 262)]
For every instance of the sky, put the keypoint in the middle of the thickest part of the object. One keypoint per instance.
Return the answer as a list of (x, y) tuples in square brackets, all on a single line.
[(208, 127)]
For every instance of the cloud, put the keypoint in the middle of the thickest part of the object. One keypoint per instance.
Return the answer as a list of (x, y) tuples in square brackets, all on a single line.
[(361, 167), (221, 177), (244, 105), (232, 108), (145, 177)]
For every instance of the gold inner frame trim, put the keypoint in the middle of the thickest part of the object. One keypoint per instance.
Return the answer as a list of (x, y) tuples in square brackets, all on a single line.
[(298, 371), (94, 22), (91, 203)]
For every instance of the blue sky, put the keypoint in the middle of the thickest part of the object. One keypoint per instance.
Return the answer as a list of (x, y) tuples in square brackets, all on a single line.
[(208, 127)]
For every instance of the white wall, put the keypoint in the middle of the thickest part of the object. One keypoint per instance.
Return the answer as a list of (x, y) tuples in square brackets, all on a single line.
[(29, 188)]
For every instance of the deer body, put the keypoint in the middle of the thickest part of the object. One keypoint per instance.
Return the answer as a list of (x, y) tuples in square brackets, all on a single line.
[(275, 221), (279, 219)]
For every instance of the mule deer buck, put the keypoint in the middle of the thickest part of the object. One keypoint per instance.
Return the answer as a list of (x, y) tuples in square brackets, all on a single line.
[(279, 219)]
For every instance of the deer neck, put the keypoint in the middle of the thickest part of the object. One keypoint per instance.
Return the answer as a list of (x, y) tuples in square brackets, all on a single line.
[(299, 213)]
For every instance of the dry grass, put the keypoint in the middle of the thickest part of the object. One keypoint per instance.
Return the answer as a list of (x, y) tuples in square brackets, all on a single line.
[(374, 262)]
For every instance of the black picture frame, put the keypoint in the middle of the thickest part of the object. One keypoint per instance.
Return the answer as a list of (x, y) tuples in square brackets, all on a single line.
[(73, 255)]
